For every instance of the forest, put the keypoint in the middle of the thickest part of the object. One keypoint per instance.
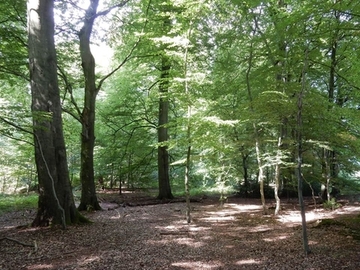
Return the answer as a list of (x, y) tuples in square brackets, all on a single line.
[(186, 124)]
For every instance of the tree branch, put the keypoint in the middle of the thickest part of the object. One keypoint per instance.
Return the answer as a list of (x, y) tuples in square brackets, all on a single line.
[(128, 57), (19, 242), (106, 11), (68, 87), (16, 126)]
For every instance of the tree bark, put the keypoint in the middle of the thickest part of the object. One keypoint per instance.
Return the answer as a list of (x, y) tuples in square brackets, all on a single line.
[(277, 177), (56, 203), (261, 175), (298, 155), (188, 135), (88, 191), (246, 175), (163, 155)]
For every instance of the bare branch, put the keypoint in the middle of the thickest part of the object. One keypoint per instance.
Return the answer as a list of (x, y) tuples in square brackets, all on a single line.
[(16, 126), (106, 11), (68, 87), (15, 73), (128, 57), (18, 242)]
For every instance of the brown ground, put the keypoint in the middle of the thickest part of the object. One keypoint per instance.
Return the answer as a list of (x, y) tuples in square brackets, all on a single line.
[(234, 236)]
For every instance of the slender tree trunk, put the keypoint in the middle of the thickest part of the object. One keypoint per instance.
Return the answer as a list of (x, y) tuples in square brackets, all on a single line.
[(88, 191), (298, 155), (188, 135), (277, 177), (56, 203), (246, 174), (261, 175), (281, 80), (329, 161)]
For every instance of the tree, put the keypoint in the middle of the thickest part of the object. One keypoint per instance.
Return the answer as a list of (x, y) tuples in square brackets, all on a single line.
[(87, 117), (56, 203)]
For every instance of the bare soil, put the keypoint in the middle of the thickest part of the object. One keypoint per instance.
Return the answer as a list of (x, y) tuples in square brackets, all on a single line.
[(136, 232)]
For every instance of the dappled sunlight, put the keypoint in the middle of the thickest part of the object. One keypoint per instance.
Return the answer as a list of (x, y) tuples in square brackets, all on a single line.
[(247, 262), (294, 217), (276, 238), (260, 228), (198, 265), (189, 242), (228, 212), (218, 218), (245, 207), (88, 259), (184, 241), (40, 266)]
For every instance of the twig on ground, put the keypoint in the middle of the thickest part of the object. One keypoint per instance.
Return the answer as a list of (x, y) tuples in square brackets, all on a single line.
[(20, 243)]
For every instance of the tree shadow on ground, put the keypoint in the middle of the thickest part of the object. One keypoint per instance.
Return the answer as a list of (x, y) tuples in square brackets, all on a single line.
[(233, 236)]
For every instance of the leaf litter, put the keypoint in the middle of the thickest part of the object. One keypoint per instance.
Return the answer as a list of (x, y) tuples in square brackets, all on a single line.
[(153, 236)]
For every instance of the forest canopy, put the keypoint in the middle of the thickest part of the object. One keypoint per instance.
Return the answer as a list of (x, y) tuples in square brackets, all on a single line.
[(231, 96)]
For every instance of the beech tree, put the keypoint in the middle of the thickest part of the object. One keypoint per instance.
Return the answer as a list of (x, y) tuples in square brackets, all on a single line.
[(56, 203), (86, 115)]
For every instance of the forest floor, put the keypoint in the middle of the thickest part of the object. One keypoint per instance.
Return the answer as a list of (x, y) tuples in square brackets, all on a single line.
[(134, 232)]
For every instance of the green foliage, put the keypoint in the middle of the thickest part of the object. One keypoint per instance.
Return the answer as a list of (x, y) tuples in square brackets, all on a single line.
[(210, 46), (17, 202), (331, 204)]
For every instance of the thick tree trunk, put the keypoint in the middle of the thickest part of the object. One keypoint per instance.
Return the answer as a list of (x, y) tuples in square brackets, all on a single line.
[(56, 203), (163, 155), (88, 192)]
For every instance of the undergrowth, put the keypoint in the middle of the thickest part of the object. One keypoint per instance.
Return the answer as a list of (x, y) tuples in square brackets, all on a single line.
[(10, 203)]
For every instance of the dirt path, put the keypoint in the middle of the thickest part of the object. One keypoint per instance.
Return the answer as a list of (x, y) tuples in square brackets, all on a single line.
[(234, 236)]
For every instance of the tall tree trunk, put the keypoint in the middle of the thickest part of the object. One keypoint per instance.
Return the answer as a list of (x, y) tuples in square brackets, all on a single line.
[(88, 191), (246, 174), (163, 155), (277, 177), (188, 134), (56, 203), (329, 156), (281, 80), (261, 174), (298, 155)]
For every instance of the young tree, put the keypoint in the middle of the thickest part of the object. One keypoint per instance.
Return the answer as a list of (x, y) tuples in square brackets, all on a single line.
[(56, 203)]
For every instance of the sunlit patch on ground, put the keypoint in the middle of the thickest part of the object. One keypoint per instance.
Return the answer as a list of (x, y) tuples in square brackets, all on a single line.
[(40, 266), (260, 228), (87, 260), (276, 238), (189, 242), (245, 207), (218, 218), (294, 217), (198, 265), (247, 262), (232, 236)]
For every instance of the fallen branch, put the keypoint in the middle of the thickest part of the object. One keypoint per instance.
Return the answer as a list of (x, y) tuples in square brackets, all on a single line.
[(20, 243)]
